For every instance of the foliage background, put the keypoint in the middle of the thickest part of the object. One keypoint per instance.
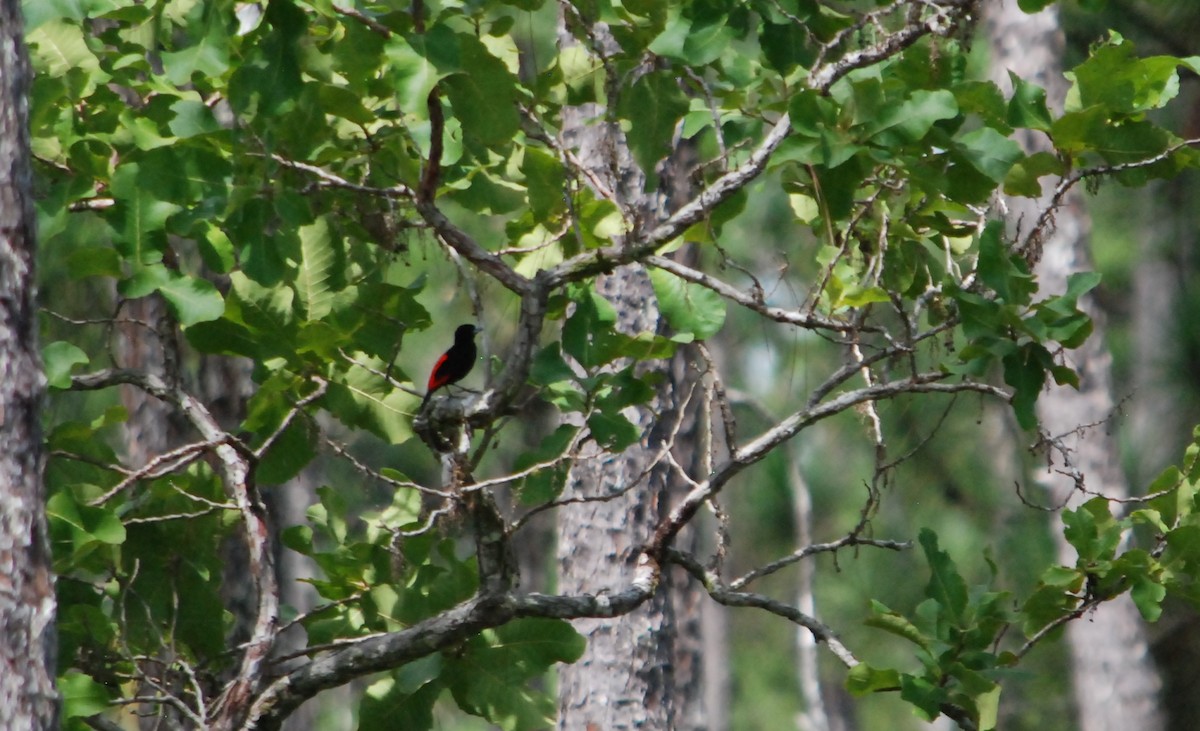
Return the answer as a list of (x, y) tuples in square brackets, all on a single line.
[(147, 186)]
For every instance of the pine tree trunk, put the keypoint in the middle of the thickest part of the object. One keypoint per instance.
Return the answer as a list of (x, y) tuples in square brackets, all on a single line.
[(28, 699), (1116, 683), (643, 670)]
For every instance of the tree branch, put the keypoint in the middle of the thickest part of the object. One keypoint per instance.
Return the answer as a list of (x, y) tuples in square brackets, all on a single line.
[(761, 446)]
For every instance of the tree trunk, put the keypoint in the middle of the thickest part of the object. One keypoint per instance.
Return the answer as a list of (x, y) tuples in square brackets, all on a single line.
[(643, 670), (28, 699), (1116, 683)]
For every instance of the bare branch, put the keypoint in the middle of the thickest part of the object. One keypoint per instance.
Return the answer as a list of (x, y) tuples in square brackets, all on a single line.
[(745, 599), (814, 549), (1032, 247), (749, 301), (762, 445)]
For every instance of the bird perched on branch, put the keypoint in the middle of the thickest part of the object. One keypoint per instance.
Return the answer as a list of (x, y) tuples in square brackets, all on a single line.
[(455, 363)]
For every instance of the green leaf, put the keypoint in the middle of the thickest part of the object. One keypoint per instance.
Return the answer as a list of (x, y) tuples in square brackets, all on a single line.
[(987, 705), (94, 261), (864, 679), (291, 452), (1114, 78), (1027, 108), (697, 40), (385, 705), (613, 431), (688, 308), (990, 152), (897, 624), (653, 106), (1006, 273), (545, 180), (209, 56), (911, 120), (925, 696), (88, 524), (192, 299), (82, 696), (359, 398), (319, 258), (484, 96), (589, 335), (1025, 372), (268, 80), (140, 217), (946, 586), (1148, 595), (341, 102), (59, 359), (413, 74), (59, 47), (192, 117), (1024, 178), (487, 678)]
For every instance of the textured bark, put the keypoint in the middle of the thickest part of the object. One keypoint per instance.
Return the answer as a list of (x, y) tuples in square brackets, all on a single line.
[(28, 699), (1115, 682), (643, 670)]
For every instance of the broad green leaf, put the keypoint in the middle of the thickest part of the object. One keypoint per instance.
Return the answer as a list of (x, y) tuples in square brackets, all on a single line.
[(864, 679), (58, 46), (612, 431), (990, 152), (59, 359), (291, 452), (413, 72), (487, 679), (857, 296), (385, 705), (912, 119), (688, 308), (653, 106), (359, 398), (342, 102), (1025, 372), (140, 217), (82, 696), (94, 261), (1114, 78), (192, 117), (208, 56), (987, 705), (1024, 178), (945, 586), (316, 270), (545, 180), (484, 95), (1027, 108), (897, 624), (268, 79), (697, 40), (1001, 270), (924, 695), (1148, 595), (192, 299)]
